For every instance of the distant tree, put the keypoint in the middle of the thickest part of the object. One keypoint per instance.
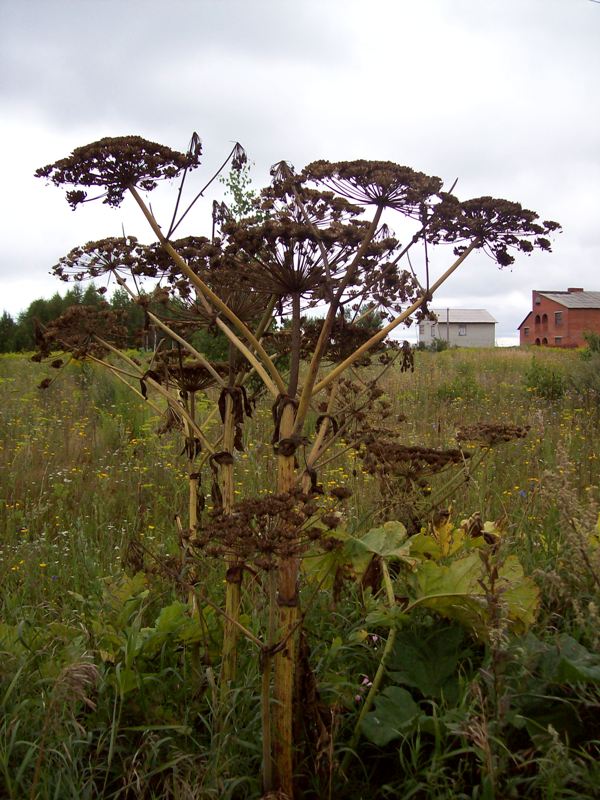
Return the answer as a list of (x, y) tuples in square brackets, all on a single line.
[(134, 316), (8, 329), (90, 296), (240, 194)]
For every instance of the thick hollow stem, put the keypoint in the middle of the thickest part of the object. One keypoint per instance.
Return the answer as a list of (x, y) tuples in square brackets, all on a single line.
[(295, 348), (389, 646), (285, 658), (233, 576), (266, 667)]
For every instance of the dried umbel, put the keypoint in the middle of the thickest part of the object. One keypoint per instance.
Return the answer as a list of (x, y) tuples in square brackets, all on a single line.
[(410, 463), (381, 183), (283, 257), (498, 226), (313, 247), (122, 255), (488, 434), (262, 528), (216, 268), (115, 164), (79, 330), (186, 373), (344, 339)]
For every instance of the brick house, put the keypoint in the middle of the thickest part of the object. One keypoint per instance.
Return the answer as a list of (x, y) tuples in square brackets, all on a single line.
[(460, 327), (559, 319)]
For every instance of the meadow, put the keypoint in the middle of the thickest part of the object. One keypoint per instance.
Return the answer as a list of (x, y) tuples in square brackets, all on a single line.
[(109, 689)]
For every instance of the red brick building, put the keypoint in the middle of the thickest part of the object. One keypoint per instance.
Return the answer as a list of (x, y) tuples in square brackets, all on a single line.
[(559, 319)]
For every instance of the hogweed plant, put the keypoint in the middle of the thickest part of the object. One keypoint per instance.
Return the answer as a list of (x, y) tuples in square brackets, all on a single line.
[(306, 289)]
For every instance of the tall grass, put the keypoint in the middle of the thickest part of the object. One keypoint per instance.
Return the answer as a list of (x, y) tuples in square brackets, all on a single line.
[(88, 492)]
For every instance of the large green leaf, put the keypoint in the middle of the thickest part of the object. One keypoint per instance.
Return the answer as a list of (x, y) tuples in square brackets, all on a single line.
[(520, 594), (570, 662), (354, 554), (123, 597), (455, 591), (394, 716), (321, 568), (388, 541), (428, 660), (440, 585)]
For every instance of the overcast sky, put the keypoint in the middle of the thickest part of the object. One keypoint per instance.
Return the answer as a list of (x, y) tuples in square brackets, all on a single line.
[(501, 94)]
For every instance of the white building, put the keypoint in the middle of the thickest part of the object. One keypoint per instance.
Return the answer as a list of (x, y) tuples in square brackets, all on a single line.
[(460, 327)]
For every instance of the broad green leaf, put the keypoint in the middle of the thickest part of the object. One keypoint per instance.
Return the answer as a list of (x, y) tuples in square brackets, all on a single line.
[(127, 679), (382, 616), (460, 577), (427, 660), (387, 541), (571, 662), (124, 596), (320, 567), (454, 591), (453, 540), (521, 595), (394, 716), (172, 617), (173, 622)]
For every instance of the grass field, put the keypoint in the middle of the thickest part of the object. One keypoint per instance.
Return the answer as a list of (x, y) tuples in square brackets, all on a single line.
[(107, 692)]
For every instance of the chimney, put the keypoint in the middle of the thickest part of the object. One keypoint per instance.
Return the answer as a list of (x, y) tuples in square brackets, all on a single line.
[(572, 289)]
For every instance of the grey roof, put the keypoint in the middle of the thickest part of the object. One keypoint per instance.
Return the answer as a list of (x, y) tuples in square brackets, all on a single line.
[(459, 315), (574, 299)]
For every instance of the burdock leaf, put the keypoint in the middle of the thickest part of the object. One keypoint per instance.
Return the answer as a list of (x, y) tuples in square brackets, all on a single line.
[(570, 662), (455, 592), (428, 662), (386, 541), (394, 716)]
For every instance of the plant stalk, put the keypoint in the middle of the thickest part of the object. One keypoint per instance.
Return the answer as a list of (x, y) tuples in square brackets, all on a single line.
[(285, 658), (233, 576), (389, 645)]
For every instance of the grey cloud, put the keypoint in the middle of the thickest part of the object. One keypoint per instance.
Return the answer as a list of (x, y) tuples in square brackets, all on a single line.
[(501, 95)]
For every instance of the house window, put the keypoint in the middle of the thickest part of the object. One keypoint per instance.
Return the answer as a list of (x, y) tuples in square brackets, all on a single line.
[(537, 319), (525, 331), (462, 330), (558, 340), (558, 318), (422, 329)]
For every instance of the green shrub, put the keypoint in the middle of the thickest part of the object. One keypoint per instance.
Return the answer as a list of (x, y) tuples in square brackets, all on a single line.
[(544, 381)]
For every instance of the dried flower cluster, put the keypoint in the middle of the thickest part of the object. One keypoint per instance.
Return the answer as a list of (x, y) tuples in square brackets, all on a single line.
[(380, 183), (79, 330), (258, 530), (173, 368), (116, 164), (487, 433), (497, 226)]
